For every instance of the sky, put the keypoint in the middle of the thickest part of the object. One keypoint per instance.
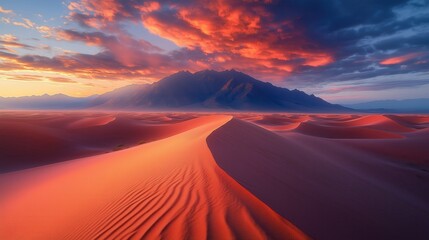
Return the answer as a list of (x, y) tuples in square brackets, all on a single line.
[(344, 51)]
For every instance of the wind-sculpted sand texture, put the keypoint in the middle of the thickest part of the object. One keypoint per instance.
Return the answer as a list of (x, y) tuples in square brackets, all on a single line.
[(137, 175), (171, 189)]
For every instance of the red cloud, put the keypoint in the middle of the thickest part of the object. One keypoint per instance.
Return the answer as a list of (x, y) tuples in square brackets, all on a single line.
[(245, 29), (400, 59), (127, 50), (232, 31), (104, 65)]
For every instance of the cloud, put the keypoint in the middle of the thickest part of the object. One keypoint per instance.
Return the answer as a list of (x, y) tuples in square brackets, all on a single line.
[(5, 11), (9, 41), (245, 30), (296, 41), (25, 77), (8, 38), (60, 80), (300, 43), (38, 78), (374, 86), (103, 65), (125, 49), (399, 59), (6, 20), (26, 23), (46, 31)]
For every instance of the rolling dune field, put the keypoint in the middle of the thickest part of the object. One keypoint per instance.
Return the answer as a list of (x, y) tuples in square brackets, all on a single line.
[(133, 175)]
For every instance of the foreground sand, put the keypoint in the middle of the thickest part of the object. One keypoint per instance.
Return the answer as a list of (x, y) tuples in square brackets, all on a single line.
[(188, 176), (170, 189)]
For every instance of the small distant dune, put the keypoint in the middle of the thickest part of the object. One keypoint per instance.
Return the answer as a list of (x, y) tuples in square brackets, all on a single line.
[(411, 119), (91, 122), (314, 129), (380, 122), (278, 122)]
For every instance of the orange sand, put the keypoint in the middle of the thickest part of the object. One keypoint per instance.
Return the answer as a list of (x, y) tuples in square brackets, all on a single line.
[(170, 188), (183, 176)]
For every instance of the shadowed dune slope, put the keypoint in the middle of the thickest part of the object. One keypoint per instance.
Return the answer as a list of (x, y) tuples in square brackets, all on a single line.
[(327, 190), (412, 149), (169, 189), (380, 122), (316, 129)]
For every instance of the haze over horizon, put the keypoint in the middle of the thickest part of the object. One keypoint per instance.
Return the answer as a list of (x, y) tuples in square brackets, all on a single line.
[(347, 52)]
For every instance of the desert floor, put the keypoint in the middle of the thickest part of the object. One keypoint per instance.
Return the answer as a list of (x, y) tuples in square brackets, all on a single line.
[(134, 175)]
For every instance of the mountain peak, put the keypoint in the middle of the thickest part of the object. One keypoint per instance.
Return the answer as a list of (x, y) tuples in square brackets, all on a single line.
[(182, 73), (211, 89)]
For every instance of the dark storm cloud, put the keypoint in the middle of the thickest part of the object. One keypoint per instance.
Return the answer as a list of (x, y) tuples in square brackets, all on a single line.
[(362, 35)]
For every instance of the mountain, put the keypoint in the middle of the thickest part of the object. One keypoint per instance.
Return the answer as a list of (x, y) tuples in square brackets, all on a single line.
[(212, 90), (400, 106), (205, 90), (57, 101)]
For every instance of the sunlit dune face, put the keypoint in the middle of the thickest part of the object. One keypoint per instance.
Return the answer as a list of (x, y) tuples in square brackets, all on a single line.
[(400, 59)]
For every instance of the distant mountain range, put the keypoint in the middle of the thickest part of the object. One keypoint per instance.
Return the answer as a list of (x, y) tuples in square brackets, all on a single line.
[(395, 106), (57, 101), (205, 90)]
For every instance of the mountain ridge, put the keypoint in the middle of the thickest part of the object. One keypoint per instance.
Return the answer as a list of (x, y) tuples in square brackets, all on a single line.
[(210, 90), (414, 105)]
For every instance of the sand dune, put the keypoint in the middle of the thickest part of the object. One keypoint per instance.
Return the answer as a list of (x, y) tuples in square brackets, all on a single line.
[(411, 149), (276, 122), (91, 122), (171, 188), (189, 176), (379, 122), (398, 138), (411, 120), (340, 126), (32, 139), (315, 129), (328, 191)]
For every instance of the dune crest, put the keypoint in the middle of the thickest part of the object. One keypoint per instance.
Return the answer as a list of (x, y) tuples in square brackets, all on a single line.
[(171, 188)]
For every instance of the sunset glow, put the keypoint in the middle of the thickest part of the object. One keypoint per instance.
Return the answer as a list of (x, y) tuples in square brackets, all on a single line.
[(86, 47), (214, 119)]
